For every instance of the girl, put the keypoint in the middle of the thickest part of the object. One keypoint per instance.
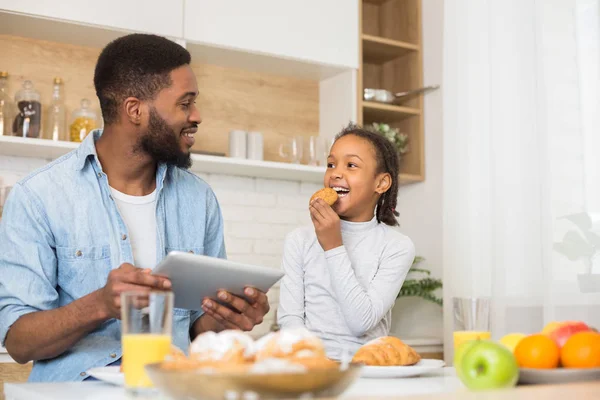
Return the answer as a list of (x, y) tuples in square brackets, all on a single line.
[(344, 273)]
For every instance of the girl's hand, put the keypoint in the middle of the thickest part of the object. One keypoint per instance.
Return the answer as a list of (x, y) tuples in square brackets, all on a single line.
[(327, 224)]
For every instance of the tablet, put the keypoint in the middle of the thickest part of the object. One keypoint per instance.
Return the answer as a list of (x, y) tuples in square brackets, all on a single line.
[(195, 277)]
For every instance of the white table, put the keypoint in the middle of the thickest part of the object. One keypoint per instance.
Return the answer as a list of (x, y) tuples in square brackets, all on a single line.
[(444, 381)]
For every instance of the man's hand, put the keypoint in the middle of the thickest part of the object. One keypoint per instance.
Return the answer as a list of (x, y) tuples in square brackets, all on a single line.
[(327, 224), (241, 314), (128, 278)]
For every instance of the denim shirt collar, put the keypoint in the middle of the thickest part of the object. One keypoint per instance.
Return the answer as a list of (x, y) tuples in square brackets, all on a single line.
[(87, 151)]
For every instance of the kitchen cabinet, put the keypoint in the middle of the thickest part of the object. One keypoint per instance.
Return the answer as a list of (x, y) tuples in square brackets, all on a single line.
[(155, 16), (317, 31)]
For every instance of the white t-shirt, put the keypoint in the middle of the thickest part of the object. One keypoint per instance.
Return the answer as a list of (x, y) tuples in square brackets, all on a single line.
[(139, 215)]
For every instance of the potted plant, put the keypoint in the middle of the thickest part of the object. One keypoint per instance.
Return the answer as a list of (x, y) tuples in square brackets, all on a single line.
[(583, 244), (423, 286), (398, 139)]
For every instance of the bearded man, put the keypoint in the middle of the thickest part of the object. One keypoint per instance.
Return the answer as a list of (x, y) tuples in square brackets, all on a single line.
[(78, 232)]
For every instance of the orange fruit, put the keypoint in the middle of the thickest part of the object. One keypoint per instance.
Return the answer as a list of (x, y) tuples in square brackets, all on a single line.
[(582, 350), (537, 351)]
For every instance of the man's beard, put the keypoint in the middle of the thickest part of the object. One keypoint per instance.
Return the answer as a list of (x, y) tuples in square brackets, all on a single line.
[(162, 144)]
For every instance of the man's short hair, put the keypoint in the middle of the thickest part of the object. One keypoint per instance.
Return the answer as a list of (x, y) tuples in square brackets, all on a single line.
[(136, 65)]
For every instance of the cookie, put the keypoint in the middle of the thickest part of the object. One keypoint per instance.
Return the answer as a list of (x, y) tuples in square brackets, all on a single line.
[(328, 194)]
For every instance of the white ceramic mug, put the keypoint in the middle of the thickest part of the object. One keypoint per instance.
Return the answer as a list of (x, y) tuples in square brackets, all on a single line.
[(237, 144), (255, 149)]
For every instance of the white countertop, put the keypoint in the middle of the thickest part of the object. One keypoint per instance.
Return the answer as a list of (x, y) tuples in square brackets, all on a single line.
[(444, 381)]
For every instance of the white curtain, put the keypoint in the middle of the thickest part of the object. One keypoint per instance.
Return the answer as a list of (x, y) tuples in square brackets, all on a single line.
[(522, 160)]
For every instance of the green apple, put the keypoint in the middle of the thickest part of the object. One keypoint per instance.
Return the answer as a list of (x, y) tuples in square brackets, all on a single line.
[(487, 365), (459, 353)]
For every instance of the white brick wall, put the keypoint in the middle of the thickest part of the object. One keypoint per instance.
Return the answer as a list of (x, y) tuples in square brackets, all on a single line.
[(258, 213)]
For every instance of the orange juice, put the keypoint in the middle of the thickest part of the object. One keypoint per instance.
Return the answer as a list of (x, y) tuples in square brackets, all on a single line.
[(139, 350), (464, 336)]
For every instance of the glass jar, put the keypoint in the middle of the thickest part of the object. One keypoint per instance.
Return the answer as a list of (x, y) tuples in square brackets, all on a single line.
[(55, 125), (28, 121), (7, 108), (83, 120)]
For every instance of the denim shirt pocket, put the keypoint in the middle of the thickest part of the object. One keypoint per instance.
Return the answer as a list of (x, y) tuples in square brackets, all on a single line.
[(83, 269)]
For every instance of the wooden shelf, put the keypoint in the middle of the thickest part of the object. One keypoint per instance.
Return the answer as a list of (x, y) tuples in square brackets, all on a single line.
[(36, 148), (377, 112), (378, 50), (391, 58), (411, 178), (376, 2), (49, 150)]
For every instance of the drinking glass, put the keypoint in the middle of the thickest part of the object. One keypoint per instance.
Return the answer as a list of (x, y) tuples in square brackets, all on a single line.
[(291, 150), (316, 151), (147, 321), (471, 319)]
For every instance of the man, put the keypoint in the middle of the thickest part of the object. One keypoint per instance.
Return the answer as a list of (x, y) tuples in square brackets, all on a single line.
[(92, 224)]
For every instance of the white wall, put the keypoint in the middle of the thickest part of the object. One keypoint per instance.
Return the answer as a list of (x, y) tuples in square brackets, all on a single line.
[(420, 205)]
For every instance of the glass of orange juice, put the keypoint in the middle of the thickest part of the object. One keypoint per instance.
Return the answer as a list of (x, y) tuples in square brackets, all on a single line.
[(147, 323), (471, 319)]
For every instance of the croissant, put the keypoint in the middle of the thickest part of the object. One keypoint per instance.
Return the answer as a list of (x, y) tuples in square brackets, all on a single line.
[(386, 351)]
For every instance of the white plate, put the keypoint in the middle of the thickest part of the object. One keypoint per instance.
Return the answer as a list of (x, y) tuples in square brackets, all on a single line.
[(558, 375), (422, 367), (111, 375)]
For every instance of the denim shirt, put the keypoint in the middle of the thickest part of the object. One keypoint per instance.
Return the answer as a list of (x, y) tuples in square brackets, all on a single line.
[(61, 234)]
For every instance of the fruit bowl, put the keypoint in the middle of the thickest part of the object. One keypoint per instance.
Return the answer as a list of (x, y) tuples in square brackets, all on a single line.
[(557, 375), (196, 384)]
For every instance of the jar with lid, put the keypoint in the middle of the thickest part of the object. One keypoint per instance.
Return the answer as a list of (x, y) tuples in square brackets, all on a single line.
[(7, 107), (83, 121), (55, 125), (28, 121)]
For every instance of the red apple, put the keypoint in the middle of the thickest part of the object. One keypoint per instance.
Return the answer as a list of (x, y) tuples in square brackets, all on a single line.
[(566, 329)]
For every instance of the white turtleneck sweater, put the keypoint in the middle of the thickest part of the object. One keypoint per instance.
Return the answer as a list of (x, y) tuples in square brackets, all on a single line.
[(344, 295)]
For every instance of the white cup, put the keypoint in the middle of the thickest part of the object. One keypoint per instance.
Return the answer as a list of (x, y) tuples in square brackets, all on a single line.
[(237, 144), (255, 146)]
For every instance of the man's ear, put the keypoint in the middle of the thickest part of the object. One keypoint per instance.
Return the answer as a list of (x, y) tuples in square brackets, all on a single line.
[(384, 182), (133, 110)]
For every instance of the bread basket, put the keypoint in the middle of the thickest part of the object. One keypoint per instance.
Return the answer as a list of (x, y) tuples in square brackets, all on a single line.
[(202, 385)]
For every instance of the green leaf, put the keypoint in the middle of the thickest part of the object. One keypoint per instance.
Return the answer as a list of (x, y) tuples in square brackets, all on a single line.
[(425, 271), (422, 294)]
